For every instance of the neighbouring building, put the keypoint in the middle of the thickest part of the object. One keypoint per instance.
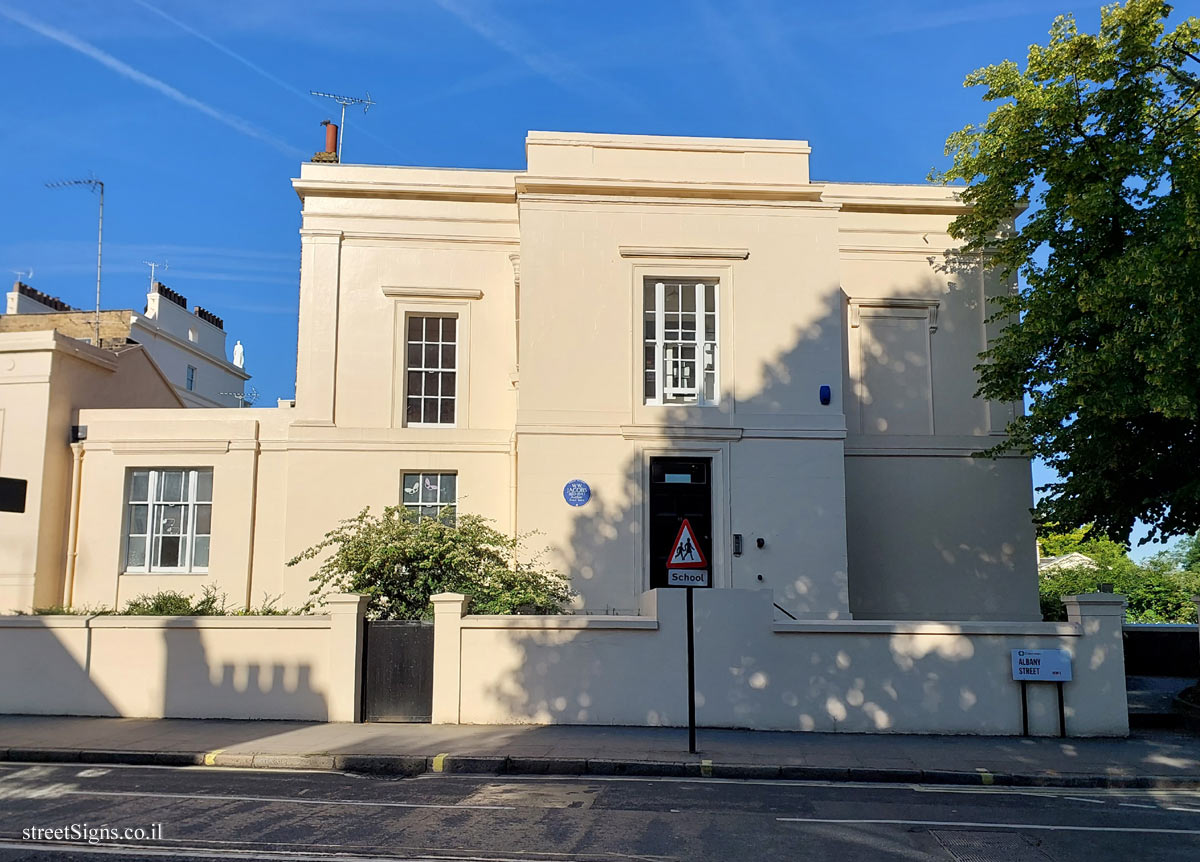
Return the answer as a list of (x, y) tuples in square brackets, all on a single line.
[(45, 378), (189, 346), (631, 331), (50, 369)]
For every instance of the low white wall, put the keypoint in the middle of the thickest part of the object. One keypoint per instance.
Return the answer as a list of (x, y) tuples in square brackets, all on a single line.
[(754, 672), (280, 667)]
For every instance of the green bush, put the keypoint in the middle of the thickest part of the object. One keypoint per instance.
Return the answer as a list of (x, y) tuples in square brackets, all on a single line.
[(169, 603), (1160, 590), (63, 610), (400, 560), (1154, 595)]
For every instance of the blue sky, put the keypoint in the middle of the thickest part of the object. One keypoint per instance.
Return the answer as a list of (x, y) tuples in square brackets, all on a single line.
[(196, 115)]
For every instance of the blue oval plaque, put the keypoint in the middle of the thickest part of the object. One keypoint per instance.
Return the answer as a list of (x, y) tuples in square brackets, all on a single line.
[(576, 492)]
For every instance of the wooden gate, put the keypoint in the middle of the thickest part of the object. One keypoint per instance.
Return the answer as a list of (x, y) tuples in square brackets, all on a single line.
[(397, 670)]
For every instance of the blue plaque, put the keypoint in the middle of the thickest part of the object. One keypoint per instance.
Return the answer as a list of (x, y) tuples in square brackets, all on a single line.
[(576, 492)]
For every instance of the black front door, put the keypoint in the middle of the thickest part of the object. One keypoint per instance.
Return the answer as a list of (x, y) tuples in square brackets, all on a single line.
[(679, 488)]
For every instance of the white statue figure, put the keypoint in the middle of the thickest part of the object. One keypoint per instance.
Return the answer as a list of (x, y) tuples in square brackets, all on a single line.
[(239, 355)]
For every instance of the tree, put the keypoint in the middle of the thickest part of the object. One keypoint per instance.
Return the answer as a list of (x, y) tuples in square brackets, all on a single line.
[(1100, 135), (1159, 590), (400, 560)]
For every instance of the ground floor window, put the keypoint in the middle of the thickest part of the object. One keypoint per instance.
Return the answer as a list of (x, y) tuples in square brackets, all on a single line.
[(430, 495), (168, 519)]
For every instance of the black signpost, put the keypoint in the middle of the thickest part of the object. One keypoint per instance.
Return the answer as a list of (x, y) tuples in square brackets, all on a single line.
[(1042, 665), (687, 567)]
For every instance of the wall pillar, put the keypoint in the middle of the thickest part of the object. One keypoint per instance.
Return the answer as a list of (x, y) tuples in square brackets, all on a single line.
[(448, 611), (1096, 701), (316, 365), (346, 612)]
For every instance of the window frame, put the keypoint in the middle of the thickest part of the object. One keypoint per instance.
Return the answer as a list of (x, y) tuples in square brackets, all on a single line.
[(421, 474), (405, 369), (698, 284), (189, 382), (415, 302), (188, 536)]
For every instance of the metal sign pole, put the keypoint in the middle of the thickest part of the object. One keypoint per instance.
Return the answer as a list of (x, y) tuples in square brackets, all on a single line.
[(691, 658)]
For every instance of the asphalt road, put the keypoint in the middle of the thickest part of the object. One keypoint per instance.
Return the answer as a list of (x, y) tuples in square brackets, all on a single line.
[(237, 814)]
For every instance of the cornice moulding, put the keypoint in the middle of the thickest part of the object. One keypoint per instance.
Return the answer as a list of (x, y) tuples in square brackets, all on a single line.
[(921, 206), (685, 253), (418, 191), (929, 306), (679, 432), (641, 188), (664, 142), (396, 292)]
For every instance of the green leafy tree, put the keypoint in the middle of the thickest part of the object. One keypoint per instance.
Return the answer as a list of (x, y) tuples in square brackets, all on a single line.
[(1157, 591), (1185, 555), (1100, 135), (400, 560)]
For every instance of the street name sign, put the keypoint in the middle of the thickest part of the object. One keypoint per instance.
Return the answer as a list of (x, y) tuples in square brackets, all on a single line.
[(1041, 665)]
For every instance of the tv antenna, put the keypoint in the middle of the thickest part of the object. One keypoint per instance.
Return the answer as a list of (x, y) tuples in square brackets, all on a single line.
[(153, 266), (23, 274), (244, 399), (344, 101), (94, 185)]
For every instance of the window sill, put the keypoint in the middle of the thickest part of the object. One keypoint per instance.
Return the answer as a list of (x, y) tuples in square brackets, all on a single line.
[(164, 572)]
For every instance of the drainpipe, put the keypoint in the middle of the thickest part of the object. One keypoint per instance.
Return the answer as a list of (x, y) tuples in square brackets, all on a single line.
[(68, 597), (512, 484), (254, 454)]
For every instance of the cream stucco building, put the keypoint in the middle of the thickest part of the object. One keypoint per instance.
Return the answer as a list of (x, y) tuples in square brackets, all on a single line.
[(688, 326)]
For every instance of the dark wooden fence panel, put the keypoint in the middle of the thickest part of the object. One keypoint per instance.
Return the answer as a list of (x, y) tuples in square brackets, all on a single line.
[(398, 671), (1162, 650)]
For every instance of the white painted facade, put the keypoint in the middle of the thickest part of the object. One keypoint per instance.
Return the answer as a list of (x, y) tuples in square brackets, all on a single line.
[(188, 346)]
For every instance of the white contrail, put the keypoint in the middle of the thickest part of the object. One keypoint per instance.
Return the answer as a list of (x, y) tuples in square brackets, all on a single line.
[(228, 52), (88, 50), (515, 42), (251, 65)]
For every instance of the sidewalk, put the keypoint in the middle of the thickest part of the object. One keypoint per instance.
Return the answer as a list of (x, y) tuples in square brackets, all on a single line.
[(1149, 758)]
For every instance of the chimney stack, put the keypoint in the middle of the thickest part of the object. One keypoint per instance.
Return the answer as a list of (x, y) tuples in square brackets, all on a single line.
[(331, 143)]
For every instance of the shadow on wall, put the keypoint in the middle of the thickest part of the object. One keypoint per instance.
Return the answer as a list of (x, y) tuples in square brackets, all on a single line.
[(838, 687), (750, 676), (196, 687), (791, 493), (146, 667), (45, 668)]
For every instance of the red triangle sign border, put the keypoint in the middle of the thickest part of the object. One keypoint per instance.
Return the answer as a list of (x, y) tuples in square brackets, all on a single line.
[(701, 563)]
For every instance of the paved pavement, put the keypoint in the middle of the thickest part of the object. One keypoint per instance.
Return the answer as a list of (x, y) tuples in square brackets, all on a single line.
[(187, 814), (1149, 758)]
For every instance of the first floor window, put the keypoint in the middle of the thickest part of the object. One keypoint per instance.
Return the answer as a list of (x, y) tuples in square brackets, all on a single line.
[(432, 366), (430, 495), (168, 517), (680, 331), (191, 378)]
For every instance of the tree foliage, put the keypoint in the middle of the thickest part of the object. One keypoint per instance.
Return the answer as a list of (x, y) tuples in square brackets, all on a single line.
[(1160, 590), (1100, 135), (400, 560)]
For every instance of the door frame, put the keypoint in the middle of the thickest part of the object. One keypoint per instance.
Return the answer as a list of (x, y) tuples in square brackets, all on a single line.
[(720, 561)]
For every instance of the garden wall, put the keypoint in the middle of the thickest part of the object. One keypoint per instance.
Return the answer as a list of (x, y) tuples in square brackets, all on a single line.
[(271, 667), (755, 672)]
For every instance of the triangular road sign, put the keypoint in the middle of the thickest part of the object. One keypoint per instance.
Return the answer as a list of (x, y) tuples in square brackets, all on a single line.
[(686, 552)]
